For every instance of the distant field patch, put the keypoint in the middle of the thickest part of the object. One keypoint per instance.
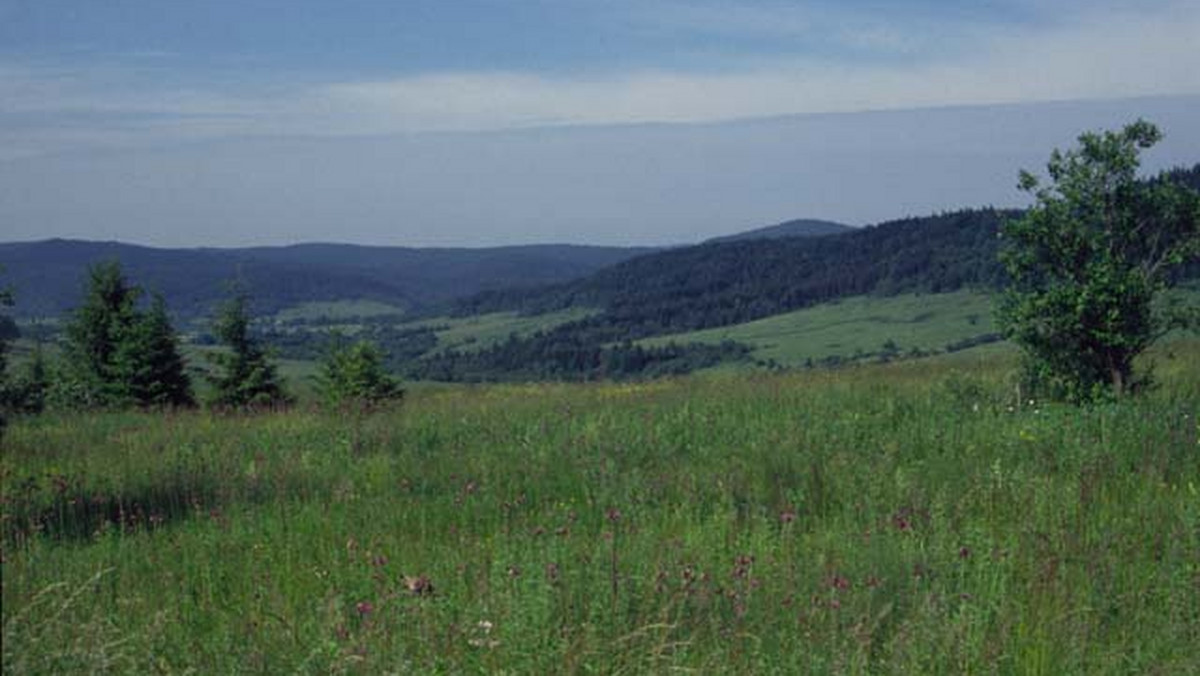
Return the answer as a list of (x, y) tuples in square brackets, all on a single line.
[(337, 310), (857, 326), (482, 331)]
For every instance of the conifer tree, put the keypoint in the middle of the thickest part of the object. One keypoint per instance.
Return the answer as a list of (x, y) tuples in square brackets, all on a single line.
[(92, 375), (117, 355), (245, 376), (148, 360), (354, 374)]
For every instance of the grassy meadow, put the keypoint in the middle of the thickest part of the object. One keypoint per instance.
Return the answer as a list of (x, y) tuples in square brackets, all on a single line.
[(478, 332), (856, 325), (911, 517)]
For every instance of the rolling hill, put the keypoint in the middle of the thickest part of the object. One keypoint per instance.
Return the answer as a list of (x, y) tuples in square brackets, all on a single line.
[(800, 227), (48, 275)]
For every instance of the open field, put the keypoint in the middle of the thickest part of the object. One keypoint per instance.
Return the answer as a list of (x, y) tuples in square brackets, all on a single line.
[(902, 518), (477, 332), (858, 325), (332, 311)]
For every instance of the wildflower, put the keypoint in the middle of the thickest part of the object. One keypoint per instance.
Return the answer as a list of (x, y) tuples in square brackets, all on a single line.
[(787, 516), (688, 575), (964, 553), (364, 608), (419, 585), (514, 571), (839, 582), (482, 638), (612, 514), (741, 566)]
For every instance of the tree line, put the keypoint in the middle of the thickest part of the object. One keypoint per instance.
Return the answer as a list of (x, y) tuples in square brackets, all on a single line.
[(118, 351)]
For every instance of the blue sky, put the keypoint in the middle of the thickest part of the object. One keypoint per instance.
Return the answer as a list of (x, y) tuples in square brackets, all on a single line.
[(120, 86)]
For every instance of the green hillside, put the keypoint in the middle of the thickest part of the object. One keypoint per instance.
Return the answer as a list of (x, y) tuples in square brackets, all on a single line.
[(862, 325), (48, 275), (477, 332)]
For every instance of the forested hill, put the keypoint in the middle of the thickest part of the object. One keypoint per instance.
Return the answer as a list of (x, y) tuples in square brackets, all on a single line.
[(728, 282), (48, 275), (801, 227), (721, 283)]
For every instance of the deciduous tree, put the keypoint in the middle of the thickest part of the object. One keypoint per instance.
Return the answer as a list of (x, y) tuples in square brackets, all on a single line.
[(1089, 260)]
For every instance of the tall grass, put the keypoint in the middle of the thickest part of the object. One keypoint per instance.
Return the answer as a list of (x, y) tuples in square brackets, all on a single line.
[(902, 518)]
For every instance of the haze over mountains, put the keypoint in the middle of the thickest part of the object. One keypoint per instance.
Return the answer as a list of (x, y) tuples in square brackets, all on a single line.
[(49, 273), (643, 291)]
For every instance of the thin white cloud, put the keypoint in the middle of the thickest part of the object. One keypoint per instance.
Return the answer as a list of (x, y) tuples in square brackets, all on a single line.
[(1105, 54)]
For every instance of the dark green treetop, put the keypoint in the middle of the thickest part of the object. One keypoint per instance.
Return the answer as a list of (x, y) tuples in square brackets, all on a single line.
[(245, 376), (118, 355), (353, 374), (149, 362)]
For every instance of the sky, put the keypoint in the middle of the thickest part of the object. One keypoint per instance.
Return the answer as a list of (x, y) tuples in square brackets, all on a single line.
[(485, 122)]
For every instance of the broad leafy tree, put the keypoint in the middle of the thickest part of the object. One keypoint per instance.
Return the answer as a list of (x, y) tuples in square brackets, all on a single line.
[(245, 376), (1089, 260)]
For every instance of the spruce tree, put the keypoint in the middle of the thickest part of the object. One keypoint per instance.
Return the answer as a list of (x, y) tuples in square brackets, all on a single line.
[(92, 375), (117, 355), (148, 360), (245, 376), (354, 375)]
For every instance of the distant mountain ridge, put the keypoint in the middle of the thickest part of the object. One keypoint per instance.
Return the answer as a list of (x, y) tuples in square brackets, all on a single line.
[(640, 291), (48, 275), (800, 227)]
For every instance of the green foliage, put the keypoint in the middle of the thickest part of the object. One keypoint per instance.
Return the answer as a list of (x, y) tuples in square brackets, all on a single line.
[(1088, 261), (115, 354), (91, 375), (6, 336), (245, 377), (353, 374), (26, 391), (149, 361)]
